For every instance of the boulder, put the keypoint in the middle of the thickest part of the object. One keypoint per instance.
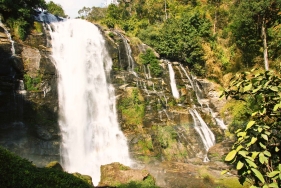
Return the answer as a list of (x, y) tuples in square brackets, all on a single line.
[(115, 173)]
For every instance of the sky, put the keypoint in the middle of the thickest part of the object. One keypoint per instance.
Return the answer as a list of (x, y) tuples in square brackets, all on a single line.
[(71, 7)]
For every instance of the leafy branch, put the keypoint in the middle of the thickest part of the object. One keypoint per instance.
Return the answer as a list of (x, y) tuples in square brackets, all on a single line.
[(256, 152)]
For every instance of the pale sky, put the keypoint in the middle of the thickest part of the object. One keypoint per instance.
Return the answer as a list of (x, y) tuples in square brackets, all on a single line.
[(71, 7)]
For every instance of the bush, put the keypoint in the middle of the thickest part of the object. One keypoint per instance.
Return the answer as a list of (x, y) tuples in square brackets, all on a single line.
[(18, 172), (148, 58)]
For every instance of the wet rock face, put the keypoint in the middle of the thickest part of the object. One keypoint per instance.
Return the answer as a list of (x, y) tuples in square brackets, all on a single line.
[(29, 100)]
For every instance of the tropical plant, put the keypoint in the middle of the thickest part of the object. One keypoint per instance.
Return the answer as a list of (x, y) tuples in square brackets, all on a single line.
[(256, 153)]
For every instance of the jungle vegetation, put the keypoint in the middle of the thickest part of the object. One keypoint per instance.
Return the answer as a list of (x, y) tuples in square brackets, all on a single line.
[(216, 39), (219, 40)]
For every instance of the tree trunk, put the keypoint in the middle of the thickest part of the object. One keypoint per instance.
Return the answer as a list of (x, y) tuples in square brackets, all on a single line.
[(166, 10), (265, 54)]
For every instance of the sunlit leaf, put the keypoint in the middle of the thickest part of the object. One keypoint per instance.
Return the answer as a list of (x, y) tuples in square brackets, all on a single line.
[(253, 140), (262, 158), (255, 154), (251, 163), (258, 174), (273, 173), (264, 136), (267, 153), (243, 153), (241, 134), (276, 107), (263, 146), (276, 149), (250, 124), (274, 185), (239, 148), (239, 165), (230, 155)]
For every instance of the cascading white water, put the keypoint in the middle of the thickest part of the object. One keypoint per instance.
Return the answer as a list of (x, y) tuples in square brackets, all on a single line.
[(203, 130), (175, 91), (90, 132), (131, 66), (9, 37), (188, 77)]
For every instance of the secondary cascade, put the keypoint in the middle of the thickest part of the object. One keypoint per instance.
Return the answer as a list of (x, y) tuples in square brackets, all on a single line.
[(91, 136)]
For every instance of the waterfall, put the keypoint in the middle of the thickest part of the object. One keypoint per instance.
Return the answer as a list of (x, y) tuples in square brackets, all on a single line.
[(148, 69), (175, 91), (208, 138), (91, 136), (188, 77), (9, 37), (131, 67)]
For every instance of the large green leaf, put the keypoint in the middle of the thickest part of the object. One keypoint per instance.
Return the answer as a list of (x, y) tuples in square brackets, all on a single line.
[(250, 124), (262, 158), (253, 140), (264, 136), (239, 165), (267, 153), (255, 154), (230, 156), (251, 163), (273, 173), (274, 185), (258, 175)]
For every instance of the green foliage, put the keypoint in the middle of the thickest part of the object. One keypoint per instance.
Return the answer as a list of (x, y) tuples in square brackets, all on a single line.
[(95, 14), (149, 58), (240, 112), (18, 14), (181, 39), (248, 19), (17, 172), (20, 27), (55, 9), (166, 136), (256, 152), (32, 84), (38, 27), (148, 182), (132, 107)]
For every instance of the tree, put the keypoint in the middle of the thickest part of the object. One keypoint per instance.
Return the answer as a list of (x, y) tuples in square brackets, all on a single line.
[(84, 12), (251, 22), (56, 9), (18, 14), (181, 39), (96, 13), (256, 153)]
